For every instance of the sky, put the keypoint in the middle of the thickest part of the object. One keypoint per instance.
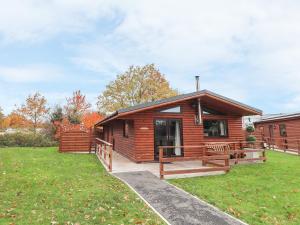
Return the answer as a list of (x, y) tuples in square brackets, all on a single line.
[(245, 50)]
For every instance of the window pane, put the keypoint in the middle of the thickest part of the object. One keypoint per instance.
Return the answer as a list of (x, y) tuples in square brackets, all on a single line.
[(176, 109), (215, 128), (282, 129)]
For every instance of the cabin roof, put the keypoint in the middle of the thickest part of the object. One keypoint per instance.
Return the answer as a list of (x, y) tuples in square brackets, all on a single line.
[(277, 117), (205, 94)]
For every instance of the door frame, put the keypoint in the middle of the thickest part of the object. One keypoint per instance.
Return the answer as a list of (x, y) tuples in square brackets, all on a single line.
[(181, 134)]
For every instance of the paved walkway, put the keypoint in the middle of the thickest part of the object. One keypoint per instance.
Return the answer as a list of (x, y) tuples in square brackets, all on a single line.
[(176, 206)]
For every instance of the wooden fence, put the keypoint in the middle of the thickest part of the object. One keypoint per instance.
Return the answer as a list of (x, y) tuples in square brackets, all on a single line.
[(75, 138), (104, 151), (284, 144)]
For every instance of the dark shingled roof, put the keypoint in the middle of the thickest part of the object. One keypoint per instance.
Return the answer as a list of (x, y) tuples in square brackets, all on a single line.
[(177, 98), (180, 97), (268, 118)]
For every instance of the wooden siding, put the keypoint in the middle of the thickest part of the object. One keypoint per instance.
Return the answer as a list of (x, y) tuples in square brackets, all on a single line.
[(121, 144), (141, 146)]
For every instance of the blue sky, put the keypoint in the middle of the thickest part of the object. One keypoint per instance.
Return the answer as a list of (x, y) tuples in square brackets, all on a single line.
[(246, 50)]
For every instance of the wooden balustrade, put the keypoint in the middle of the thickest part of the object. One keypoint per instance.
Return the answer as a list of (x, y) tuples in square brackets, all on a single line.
[(205, 157), (238, 150), (104, 151), (284, 144)]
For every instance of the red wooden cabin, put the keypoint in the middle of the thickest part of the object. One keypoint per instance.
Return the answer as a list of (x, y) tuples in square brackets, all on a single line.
[(281, 130), (136, 132)]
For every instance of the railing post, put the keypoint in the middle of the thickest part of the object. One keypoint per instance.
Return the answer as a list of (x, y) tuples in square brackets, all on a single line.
[(105, 151), (204, 154), (298, 142), (264, 155), (227, 153), (161, 164), (110, 158)]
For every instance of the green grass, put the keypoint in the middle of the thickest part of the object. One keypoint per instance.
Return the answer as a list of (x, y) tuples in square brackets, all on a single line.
[(42, 186), (258, 193)]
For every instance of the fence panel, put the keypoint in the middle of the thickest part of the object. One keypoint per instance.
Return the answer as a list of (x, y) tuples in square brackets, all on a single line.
[(75, 138)]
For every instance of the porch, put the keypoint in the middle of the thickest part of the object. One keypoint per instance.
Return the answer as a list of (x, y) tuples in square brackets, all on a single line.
[(123, 164), (215, 159)]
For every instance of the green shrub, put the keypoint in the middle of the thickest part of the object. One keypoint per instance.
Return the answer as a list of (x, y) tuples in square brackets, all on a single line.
[(250, 129), (251, 138), (26, 140)]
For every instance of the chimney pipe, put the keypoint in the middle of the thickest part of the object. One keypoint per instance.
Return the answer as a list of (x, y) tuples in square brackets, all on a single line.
[(197, 83), (199, 110)]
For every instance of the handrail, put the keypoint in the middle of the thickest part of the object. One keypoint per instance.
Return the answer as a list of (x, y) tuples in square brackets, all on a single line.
[(205, 158), (104, 151), (104, 142)]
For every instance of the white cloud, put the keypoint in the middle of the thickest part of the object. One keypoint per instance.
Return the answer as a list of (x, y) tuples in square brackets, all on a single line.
[(242, 49), (30, 20), (247, 47), (29, 73)]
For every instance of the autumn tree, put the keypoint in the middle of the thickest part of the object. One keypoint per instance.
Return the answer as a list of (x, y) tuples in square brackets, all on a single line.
[(76, 106), (137, 85), (1, 118), (15, 120), (90, 118), (34, 109)]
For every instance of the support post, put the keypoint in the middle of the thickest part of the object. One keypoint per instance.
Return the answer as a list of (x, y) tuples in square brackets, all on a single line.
[(161, 164), (264, 155), (227, 152), (204, 162), (110, 158)]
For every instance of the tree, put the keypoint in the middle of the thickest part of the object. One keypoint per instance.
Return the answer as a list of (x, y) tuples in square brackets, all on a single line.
[(34, 109), (57, 114), (1, 118), (90, 118), (136, 85), (15, 120), (76, 106)]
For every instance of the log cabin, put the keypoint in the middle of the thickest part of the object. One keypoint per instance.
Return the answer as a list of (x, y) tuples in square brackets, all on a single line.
[(184, 120), (279, 127)]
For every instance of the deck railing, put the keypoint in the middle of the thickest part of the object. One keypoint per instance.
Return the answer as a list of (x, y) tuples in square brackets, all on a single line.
[(238, 150), (284, 144), (215, 156), (104, 151), (204, 157)]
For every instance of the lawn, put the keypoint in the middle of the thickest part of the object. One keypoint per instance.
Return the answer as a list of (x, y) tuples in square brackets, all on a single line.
[(42, 186), (258, 193)]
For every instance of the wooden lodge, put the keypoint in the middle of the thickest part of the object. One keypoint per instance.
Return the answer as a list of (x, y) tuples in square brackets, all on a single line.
[(178, 123), (280, 131)]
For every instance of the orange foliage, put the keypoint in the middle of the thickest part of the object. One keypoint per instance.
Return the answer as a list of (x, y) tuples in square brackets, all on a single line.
[(89, 119), (15, 120)]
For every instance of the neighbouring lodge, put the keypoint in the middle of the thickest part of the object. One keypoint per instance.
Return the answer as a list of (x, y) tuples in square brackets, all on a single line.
[(184, 120), (279, 127)]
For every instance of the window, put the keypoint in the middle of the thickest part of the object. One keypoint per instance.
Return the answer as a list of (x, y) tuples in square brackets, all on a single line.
[(207, 111), (282, 130), (215, 128), (176, 109), (125, 128)]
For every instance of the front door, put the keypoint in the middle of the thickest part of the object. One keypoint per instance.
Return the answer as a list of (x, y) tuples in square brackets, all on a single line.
[(167, 132)]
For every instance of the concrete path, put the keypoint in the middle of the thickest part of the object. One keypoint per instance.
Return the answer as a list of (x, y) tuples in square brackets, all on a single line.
[(176, 206)]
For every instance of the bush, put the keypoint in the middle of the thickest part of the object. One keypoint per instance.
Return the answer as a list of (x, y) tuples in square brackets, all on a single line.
[(250, 129), (251, 138), (26, 140)]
